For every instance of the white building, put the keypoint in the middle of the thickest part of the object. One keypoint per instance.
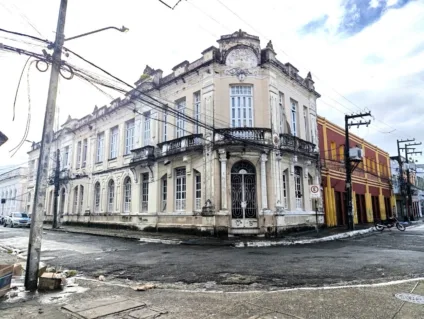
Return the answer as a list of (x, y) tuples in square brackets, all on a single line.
[(225, 144), (13, 187)]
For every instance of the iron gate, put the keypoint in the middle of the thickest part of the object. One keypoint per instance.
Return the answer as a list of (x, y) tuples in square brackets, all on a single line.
[(243, 195)]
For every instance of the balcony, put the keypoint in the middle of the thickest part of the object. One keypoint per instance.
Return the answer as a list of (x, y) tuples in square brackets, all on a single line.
[(238, 135), (143, 154), (293, 144), (182, 144)]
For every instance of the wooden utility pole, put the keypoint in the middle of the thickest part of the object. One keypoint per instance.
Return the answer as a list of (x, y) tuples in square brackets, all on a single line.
[(408, 176), (348, 166), (402, 181), (34, 244)]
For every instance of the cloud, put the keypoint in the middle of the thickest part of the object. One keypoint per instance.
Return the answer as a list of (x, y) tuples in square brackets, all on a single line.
[(373, 59), (416, 50), (314, 25), (360, 14)]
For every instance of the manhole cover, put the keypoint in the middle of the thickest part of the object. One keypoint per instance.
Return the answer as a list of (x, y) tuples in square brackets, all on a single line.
[(411, 298)]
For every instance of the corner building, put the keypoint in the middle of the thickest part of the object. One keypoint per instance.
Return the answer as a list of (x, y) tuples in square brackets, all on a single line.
[(238, 158)]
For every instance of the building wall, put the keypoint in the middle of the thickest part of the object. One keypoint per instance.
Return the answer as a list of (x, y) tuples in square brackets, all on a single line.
[(210, 155), (371, 183)]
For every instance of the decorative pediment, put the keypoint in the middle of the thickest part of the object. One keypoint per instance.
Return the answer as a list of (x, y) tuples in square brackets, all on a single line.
[(241, 57)]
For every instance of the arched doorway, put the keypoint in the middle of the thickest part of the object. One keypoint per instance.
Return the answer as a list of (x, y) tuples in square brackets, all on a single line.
[(243, 195), (62, 202)]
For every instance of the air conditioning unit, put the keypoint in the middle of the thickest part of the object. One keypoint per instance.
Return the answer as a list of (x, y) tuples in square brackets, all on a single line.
[(355, 154)]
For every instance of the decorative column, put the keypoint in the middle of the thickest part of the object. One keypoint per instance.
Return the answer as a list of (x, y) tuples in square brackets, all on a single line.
[(264, 159), (278, 158), (223, 160)]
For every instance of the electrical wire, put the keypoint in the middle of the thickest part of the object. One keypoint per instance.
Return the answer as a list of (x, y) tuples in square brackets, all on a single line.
[(25, 35)]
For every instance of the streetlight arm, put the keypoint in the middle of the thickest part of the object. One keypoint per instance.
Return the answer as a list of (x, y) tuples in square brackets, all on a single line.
[(123, 29)]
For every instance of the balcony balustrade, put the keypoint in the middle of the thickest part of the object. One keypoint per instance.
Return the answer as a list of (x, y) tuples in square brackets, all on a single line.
[(296, 145), (142, 154), (181, 144), (238, 135)]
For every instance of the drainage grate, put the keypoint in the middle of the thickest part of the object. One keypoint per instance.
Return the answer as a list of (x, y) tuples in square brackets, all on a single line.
[(418, 299)]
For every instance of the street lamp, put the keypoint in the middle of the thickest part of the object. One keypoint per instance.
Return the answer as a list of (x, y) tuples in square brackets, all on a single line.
[(123, 29)]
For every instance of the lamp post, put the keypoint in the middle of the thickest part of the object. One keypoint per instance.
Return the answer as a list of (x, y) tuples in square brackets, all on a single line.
[(35, 236)]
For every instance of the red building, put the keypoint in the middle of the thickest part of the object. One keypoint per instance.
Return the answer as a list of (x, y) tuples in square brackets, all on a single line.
[(371, 184)]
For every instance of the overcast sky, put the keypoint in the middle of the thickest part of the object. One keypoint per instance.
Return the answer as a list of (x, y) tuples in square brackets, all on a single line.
[(363, 54)]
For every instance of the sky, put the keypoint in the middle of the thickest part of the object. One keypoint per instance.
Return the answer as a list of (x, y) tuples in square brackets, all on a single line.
[(364, 55)]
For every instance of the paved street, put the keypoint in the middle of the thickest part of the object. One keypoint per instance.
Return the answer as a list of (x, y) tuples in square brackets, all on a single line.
[(379, 257)]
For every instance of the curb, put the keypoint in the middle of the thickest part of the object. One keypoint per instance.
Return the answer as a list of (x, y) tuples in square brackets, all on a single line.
[(351, 234), (236, 244)]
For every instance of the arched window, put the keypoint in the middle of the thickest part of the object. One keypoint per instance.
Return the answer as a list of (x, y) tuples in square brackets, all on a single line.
[(180, 189), (164, 192), (197, 191), (50, 207), (75, 206), (97, 197), (15, 202), (298, 187), (110, 196), (127, 195), (285, 189), (81, 199)]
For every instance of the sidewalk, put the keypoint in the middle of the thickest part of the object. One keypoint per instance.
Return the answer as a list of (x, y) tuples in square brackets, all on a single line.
[(93, 299), (293, 238)]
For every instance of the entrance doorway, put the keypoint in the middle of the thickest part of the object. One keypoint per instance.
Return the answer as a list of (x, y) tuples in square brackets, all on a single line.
[(243, 195)]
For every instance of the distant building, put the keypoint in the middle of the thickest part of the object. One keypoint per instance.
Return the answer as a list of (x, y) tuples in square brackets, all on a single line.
[(416, 183), (371, 181), (242, 164), (13, 185)]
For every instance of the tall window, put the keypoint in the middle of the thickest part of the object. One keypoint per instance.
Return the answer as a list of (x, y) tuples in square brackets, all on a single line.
[(110, 195), (198, 192), (75, 206), (84, 152), (294, 117), (305, 121), (81, 199), (285, 198), (298, 186), (97, 197), (145, 192), (100, 147), (165, 126), (146, 134), (282, 113), (180, 189), (164, 188), (181, 104), (313, 127), (341, 152), (196, 108), (333, 151), (65, 156), (127, 195), (129, 136), (79, 154), (113, 147), (241, 99)]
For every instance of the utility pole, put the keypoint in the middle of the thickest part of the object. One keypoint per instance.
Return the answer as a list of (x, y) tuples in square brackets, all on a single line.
[(34, 244), (401, 179), (408, 176), (348, 166), (56, 188)]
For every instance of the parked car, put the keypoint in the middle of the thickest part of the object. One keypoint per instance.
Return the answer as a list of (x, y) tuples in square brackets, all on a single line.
[(18, 220)]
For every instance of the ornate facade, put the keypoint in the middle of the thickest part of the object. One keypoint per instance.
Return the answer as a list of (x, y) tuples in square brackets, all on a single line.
[(226, 144)]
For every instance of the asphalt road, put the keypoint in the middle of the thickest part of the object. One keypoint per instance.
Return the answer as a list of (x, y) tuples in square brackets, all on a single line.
[(380, 257)]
